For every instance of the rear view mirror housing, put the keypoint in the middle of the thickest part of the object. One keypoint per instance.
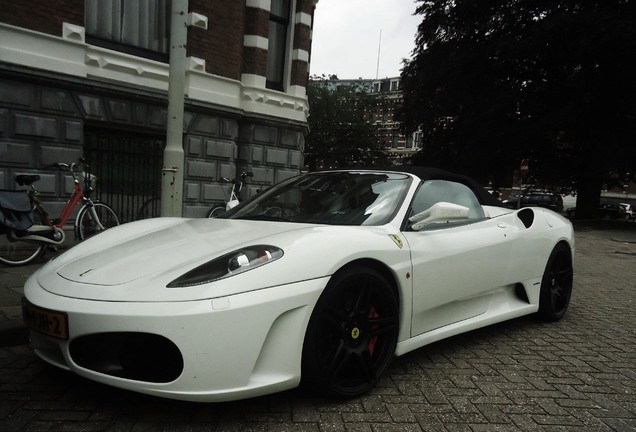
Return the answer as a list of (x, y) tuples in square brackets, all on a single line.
[(441, 212)]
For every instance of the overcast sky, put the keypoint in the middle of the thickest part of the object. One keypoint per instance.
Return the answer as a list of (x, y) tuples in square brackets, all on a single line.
[(346, 37)]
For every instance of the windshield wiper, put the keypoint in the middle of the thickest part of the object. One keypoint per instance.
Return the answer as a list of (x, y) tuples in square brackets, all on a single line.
[(263, 217)]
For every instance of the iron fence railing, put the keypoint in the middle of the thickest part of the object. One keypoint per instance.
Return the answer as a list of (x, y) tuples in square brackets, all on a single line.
[(128, 169)]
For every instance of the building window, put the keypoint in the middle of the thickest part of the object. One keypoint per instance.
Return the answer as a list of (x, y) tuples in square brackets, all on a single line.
[(394, 141), (276, 50), (376, 87), (395, 85), (417, 138), (138, 27)]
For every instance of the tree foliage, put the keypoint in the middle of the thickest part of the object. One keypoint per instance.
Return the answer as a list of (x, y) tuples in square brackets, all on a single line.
[(340, 134), (494, 81)]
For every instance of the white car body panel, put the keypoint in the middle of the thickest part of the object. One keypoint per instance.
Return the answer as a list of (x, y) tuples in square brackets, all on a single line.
[(216, 367), (110, 277), (444, 267), (242, 336)]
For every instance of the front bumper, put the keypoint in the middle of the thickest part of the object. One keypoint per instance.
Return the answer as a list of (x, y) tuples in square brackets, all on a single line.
[(230, 348)]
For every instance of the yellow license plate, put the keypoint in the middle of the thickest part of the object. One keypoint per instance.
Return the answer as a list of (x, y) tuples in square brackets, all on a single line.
[(45, 321)]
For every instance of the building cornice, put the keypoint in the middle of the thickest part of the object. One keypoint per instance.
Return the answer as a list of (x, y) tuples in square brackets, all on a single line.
[(71, 56)]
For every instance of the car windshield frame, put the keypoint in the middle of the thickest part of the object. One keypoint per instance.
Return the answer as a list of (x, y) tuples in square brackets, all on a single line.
[(349, 198)]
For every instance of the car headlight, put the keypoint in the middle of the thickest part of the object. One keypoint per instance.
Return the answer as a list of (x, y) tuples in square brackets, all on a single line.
[(227, 265)]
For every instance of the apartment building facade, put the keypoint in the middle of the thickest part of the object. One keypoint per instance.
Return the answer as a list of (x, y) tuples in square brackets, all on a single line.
[(89, 78), (399, 146)]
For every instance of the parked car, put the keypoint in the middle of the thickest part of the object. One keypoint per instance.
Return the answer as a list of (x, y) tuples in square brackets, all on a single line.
[(323, 278), (630, 211), (548, 200), (605, 211), (611, 211)]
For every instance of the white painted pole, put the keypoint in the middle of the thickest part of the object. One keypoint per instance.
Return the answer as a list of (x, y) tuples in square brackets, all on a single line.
[(173, 155)]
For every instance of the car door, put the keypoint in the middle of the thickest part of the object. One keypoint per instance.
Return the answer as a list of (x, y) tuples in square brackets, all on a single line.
[(457, 266)]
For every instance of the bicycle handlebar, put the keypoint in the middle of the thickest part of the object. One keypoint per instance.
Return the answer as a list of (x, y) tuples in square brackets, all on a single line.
[(58, 165), (243, 176), (73, 167)]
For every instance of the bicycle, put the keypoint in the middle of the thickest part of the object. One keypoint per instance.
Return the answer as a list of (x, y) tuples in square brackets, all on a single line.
[(235, 193), (151, 208), (21, 246)]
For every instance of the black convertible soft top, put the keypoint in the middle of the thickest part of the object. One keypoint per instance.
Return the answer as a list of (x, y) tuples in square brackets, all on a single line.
[(427, 173)]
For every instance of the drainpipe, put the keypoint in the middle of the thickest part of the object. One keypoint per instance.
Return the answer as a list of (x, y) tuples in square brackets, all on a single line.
[(173, 154)]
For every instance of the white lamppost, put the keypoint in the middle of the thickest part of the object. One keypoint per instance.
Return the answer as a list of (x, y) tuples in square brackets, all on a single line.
[(173, 155)]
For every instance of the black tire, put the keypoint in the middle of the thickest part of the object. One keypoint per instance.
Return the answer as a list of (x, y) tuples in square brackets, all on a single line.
[(352, 334), (216, 212), (18, 253), (556, 285), (86, 226)]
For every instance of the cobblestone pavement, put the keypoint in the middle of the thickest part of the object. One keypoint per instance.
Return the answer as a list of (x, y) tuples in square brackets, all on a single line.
[(578, 374)]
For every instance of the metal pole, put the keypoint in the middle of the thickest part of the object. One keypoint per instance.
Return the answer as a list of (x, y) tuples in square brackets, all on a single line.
[(377, 68), (173, 155)]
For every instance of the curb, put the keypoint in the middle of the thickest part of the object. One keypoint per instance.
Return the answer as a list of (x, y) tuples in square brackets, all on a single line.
[(618, 240), (13, 332)]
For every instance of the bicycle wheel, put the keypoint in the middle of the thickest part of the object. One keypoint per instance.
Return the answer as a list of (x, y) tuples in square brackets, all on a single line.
[(17, 253), (150, 209), (216, 212), (89, 223)]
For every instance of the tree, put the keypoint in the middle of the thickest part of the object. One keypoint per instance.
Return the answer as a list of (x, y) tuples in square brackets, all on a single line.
[(340, 134), (496, 81)]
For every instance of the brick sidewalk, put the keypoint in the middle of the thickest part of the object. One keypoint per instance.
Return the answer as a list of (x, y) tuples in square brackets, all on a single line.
[(574, 375)]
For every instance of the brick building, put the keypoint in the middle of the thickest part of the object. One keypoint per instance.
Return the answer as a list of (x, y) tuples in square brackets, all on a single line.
[(385, 118), (90, 78), (399, 146)]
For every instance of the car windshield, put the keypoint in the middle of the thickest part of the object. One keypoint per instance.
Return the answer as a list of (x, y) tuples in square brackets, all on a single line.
[(333, 198)]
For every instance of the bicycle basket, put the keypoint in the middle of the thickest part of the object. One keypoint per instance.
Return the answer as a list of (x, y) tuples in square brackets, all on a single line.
[(15, 210)]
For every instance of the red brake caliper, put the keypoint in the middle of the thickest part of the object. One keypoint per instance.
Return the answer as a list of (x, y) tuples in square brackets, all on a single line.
[(372, 315)]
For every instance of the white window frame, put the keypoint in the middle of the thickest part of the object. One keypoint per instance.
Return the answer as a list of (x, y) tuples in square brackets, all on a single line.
[(138, 27)]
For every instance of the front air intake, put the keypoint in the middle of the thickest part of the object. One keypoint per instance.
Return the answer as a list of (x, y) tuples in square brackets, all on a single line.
[(135, 356)]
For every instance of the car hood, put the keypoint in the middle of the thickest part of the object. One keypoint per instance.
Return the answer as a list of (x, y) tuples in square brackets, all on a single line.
[(174, 246), (120, 262), (137, 261)]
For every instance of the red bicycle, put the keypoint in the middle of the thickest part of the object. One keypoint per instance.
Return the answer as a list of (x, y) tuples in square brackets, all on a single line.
[(21, 246)]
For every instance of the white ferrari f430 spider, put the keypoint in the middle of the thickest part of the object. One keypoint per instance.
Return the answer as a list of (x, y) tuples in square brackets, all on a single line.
[(323, 279)]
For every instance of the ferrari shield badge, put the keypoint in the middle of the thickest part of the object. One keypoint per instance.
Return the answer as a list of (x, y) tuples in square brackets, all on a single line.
[(397, 240)]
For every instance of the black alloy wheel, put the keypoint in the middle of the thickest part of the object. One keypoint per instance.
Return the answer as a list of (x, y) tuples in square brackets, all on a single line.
[(352, 334), (556, 285)]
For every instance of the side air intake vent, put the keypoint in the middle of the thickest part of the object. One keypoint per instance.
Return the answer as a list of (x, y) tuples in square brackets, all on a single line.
[(521, 294), (527, 217)]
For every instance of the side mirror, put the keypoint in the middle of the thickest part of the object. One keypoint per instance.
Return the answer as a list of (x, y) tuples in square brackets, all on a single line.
[(441, 212)]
